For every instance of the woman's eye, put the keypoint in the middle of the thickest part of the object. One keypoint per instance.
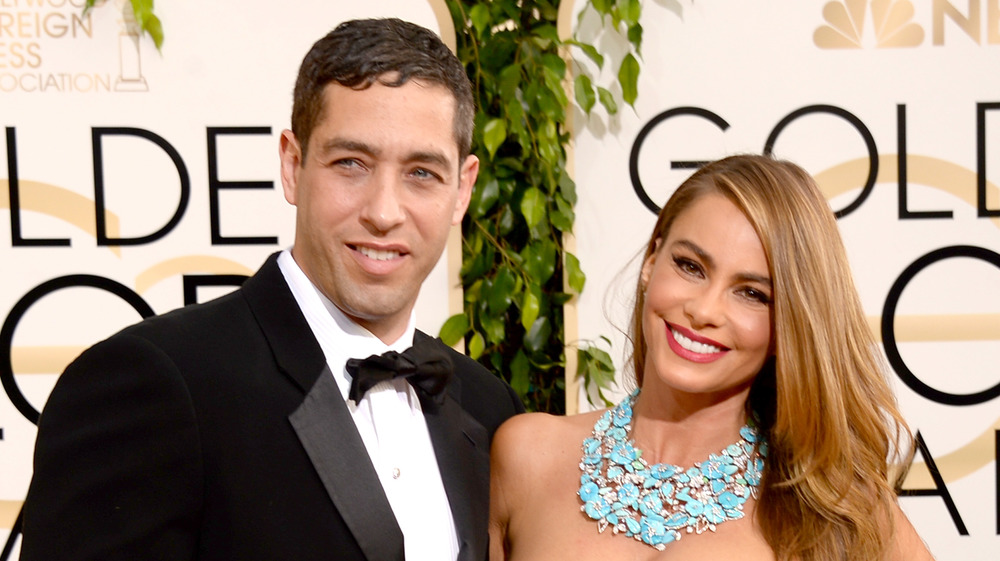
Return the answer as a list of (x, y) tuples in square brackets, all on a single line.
[(687, 265), (757, 295)]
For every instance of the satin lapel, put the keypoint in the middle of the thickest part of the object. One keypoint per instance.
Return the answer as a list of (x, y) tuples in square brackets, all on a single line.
[(327, 432), (461, 445), (295, 349)]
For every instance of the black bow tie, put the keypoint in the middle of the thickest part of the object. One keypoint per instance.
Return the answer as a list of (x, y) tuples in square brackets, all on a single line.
[(426, 367)]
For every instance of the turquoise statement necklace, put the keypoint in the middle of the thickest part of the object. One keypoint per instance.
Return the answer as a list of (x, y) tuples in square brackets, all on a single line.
[(654, 503)]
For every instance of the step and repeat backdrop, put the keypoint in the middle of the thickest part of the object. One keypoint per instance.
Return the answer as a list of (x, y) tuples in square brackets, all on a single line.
[(133, 182), (894, 106)]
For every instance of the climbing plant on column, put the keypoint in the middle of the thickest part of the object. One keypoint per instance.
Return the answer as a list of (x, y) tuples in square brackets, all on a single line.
[(515, 266)]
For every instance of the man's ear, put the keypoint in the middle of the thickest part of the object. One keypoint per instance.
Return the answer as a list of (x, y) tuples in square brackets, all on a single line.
[(467, 175), (290, 154)]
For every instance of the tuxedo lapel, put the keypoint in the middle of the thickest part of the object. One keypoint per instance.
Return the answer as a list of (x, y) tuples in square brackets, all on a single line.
[(461, 445), (322, 422), (326, 430), (295, 349)]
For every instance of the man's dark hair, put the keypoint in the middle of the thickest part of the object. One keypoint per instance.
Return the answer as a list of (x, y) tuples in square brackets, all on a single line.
[(360, 52)]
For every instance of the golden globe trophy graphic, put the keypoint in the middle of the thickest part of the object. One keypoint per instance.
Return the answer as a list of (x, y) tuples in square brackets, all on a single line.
[(130, 78)]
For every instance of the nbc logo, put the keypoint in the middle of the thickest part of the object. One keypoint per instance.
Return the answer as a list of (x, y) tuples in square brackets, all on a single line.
[(892, 23)]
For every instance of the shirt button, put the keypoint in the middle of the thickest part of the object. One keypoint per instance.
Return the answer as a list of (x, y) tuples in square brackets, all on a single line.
[(395, 473)]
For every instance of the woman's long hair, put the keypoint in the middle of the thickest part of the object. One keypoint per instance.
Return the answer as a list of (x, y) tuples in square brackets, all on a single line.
[(822, 401)]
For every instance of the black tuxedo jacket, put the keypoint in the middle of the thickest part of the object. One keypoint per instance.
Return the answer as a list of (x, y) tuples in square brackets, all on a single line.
[(217, 432)]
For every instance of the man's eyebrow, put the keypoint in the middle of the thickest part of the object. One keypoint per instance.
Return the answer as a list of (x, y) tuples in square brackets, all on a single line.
[(427, 157), (346, 144), (430, 158)]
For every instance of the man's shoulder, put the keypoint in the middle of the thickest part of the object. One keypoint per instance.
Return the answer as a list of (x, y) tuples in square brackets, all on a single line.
[(481, 390), (465, 367), (218, 317), (194, 320)]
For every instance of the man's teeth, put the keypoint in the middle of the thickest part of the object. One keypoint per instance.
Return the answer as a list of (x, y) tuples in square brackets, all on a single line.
[(694, 346), (378, 254)]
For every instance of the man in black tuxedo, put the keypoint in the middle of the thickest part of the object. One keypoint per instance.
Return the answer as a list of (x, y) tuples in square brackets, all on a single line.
[(236, 429)]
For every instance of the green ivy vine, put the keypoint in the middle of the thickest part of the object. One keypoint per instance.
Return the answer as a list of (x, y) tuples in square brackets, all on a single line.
[(514, 262)]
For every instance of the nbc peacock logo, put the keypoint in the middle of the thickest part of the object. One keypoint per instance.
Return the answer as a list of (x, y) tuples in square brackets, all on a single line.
[(847, 25)]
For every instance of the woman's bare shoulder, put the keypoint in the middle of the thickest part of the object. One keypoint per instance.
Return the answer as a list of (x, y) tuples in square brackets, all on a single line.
[(907, 545), (544, 428), (538, 437)]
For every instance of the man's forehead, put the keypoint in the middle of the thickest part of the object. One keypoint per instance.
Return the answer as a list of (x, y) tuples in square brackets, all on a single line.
[(329, 107)]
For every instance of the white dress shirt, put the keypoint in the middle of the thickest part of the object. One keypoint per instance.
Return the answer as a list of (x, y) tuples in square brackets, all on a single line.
[(390, 421)]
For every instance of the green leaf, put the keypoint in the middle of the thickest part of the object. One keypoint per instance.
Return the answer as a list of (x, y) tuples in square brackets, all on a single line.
[(562, 216), (607, 100), (141, 9), (630, 11), (602, 6), (567, 187), (510, 80), (530, 307), (533, 207), (560, 298), (506, 222), (501, 293), (473, 292), (591, 52), (635, 36), (603, 359), (576, 276), (484, 196), (628, 77), (515, 116), (594, 365), (476, 346), (583, 90), (549, 146), (548, 32), (480, 16), (510, 9), (153, 26), (556, 64), (454, 329), (616, 17), (548, 104), (537, 337), (540, 260), (520, 380), (478, 263), (496, 329), (494, 133), (148, 22), (554, 83)]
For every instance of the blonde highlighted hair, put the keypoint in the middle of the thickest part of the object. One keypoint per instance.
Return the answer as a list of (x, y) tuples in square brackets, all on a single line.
[(831, 420)]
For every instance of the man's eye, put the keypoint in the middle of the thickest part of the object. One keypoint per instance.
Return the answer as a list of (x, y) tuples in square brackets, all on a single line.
[(421, 173)]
